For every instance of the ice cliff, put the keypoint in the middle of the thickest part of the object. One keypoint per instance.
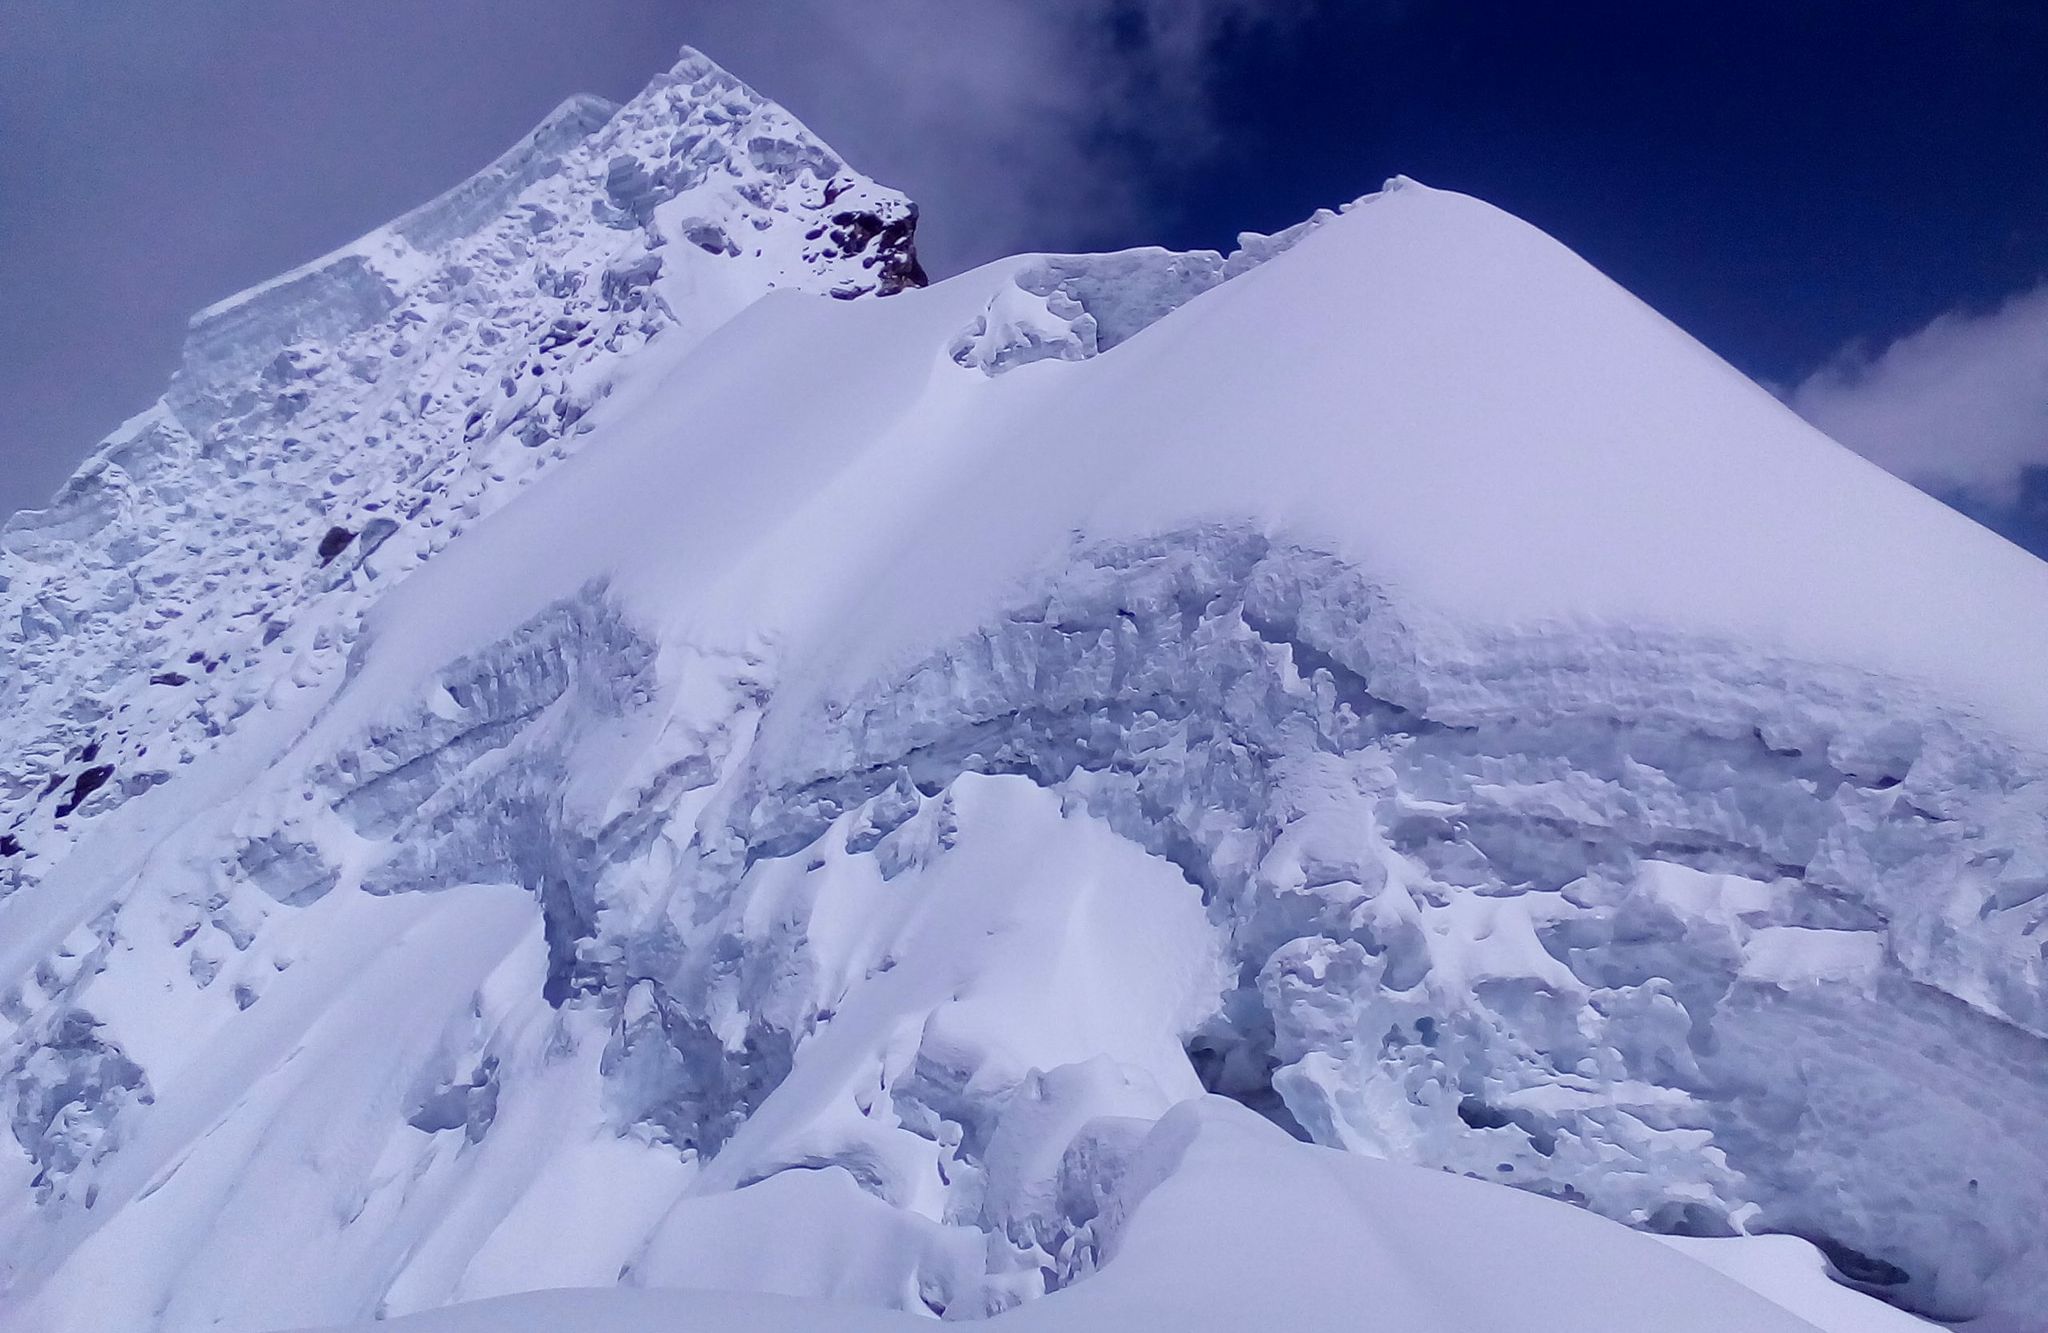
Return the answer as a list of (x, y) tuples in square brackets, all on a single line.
[(559, 755)]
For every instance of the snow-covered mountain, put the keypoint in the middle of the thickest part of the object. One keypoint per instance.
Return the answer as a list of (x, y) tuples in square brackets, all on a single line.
[(561, 756)]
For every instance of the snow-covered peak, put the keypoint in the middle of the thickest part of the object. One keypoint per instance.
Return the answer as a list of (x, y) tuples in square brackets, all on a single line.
[(697, 158), (561, 755), (392, 392)]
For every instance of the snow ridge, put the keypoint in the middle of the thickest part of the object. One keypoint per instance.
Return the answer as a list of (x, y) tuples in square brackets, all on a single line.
[(400, 388), (559, 755)]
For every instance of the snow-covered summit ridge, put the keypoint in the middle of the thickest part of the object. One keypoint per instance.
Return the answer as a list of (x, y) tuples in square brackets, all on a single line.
[(1072, 307), (399, 388), (453, 212), (1526, 446), (345, 290), (696, 131), (619, 770)]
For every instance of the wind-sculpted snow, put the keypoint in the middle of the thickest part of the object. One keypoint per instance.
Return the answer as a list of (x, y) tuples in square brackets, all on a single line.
[(1599, 952), (1603, 953), (542, 765), (1072, 307), (69, 1086), (387, 397), (467, 788)]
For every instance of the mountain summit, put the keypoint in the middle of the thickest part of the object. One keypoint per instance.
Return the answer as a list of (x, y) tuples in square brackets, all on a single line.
[(562, 756)]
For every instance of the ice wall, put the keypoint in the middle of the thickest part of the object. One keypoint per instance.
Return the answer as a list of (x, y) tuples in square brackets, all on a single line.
[(540, 736)]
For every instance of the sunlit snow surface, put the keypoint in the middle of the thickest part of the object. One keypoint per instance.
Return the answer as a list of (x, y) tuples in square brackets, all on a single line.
[(562, 756)]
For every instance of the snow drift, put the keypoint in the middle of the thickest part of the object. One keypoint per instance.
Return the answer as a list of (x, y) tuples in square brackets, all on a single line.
[(581, 747)]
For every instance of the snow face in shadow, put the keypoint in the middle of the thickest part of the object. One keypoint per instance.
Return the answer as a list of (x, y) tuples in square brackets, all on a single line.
[(1602, 949), (1603, 953)]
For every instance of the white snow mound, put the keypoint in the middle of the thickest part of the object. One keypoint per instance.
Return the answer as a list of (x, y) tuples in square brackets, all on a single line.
[(583, 767)]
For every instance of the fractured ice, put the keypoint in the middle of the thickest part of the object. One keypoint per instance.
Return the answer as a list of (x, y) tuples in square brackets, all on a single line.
[(399, 875)]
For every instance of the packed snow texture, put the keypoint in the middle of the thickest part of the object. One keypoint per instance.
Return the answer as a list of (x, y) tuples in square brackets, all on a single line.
[(559, 756), (1211, 1219)]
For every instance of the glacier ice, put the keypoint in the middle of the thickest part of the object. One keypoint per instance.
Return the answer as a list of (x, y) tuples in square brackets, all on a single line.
[(555, 726), (1072, 307)]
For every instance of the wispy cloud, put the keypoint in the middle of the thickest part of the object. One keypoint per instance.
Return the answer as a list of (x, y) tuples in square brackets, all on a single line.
[(1959, 407), (1015, 125)]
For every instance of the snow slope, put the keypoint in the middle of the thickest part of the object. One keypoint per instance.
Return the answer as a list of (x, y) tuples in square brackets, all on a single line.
[(1221, 1223), (618, 770)]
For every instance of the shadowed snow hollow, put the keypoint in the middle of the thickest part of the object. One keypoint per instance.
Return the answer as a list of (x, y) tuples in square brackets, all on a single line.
[(561, 756)]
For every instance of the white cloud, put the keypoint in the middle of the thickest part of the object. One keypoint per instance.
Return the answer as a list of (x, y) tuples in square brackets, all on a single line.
[(1016, 124), (1959, 407)]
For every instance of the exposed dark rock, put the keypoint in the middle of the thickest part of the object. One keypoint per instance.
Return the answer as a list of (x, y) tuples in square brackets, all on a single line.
[(334, 543), (895, 246), (88, 782)]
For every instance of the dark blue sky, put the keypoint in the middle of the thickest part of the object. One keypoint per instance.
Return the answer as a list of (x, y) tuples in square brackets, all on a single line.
[(1787, 181), (1779, 178)]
